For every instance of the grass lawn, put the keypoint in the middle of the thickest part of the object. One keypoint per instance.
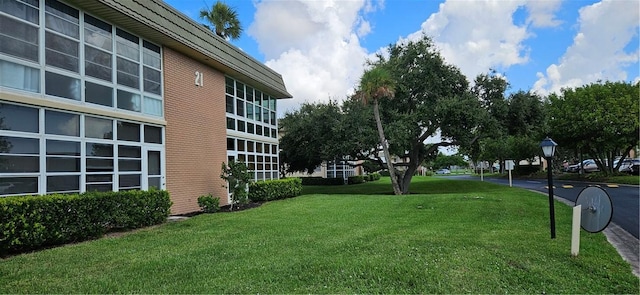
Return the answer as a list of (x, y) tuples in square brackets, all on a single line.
[(450, 236)]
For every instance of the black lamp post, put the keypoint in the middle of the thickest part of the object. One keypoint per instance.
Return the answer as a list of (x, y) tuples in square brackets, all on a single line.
[(549, 148)]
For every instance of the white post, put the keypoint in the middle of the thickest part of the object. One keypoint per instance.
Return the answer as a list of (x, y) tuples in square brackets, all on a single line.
[(575, 230), (482, 171), (510, 183)]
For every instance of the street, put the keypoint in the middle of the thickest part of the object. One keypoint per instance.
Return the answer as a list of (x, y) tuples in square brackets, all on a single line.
[(625, 198)]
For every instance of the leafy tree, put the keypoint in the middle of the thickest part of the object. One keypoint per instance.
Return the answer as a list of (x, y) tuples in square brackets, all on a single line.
[(446, 161), (430, 97), (600, 119), (224, 20), (308, 136), (377, 84)]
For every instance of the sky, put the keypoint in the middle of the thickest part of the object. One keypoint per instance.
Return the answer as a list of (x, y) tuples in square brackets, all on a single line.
[(320, 47)]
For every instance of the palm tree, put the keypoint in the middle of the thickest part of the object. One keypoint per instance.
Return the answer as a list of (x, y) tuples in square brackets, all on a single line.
[(224, 20), (377, 84)]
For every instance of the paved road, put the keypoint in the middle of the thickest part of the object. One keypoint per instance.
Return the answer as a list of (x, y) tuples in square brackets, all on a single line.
[(625, 198)]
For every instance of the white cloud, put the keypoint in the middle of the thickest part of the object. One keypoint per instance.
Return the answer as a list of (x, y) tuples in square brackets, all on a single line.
[(314, 45), (598, 50), (541, 13), (480, 35)]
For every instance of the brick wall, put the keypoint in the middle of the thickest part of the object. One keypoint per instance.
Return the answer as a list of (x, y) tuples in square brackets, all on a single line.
[(195, 133)]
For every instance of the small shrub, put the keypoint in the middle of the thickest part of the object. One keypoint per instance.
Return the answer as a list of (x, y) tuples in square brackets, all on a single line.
[(321, 181), (357, 179), (275, 189), (209, 204), (237, 176)]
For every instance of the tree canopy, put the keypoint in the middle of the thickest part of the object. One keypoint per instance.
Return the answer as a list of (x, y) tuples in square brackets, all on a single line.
[(224, 20)]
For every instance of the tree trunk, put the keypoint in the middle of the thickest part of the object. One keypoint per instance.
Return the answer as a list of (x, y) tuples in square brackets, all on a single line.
[(385, 149)]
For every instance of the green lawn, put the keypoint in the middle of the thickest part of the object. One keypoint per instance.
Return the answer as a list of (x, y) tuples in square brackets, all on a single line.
[(448, 237)]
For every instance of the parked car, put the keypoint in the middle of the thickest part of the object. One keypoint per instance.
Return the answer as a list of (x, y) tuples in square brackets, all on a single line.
[(588, 165), (443, 171), (627, 164)]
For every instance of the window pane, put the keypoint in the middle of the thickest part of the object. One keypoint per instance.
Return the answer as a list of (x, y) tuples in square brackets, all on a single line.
[(19, 76), (229, 86), (231, 144), (231, 123), (273, 118), (97, 32), (128, 131), (27, 11), (18, 118), (19, 164), (152, 106), (98, 128), (62, 18), (99, 165), (61, 164), (153, 163), (129, 101), (99, 150), (250, 128), (63, 148), (103, 187), (62, 86), (154, 182), (258, 113), (229, 104), (258, 130), (18, 39), (250, 146), (250, 110), (152, 134), (274, 133), (151, 55), (241, 144), (18, 185), (127, 45), (63, 183), (152, 80), (129, 165), (128, 73), (98, 94), (249, 93), (19, 145), (265, 116), (240, 107), (127, 181), (99, 178), (241, 126), (97, 63), (126, 151), (62, 52), (240, 90), (62, 123)]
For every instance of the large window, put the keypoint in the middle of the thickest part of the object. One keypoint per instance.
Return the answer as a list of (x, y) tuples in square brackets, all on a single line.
[(244, 102), (261, 158), (85, 59), (74, 152)]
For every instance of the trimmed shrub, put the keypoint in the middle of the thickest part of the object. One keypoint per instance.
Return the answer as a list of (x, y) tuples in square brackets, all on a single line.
[(209, 204), (35, 222), (321, 181), (355, 179), (275, 189), (521, 170)]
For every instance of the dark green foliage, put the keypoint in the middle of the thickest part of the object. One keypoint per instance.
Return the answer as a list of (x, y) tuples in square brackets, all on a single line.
[(526, 169), (34, 222), (356, 179), (237, 176), (209, 204), (275, 189), (321, 181)]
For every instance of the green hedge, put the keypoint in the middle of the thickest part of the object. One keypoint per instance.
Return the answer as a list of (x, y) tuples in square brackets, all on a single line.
[(34, 222), (321, 181), (275, 189), (356, 179)]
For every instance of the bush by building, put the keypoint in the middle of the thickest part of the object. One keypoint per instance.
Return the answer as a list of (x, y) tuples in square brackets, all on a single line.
[(275, 189)]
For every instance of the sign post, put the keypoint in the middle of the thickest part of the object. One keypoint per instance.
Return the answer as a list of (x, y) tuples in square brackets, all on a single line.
[(509, 165)]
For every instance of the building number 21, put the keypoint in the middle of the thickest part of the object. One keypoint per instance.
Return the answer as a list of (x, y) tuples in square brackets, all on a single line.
[(199, 79)]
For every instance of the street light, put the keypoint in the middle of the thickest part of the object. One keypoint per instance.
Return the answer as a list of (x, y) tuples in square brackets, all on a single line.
[(549, 148)]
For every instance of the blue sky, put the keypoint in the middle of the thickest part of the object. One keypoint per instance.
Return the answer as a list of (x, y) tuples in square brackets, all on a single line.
[(320, 47)]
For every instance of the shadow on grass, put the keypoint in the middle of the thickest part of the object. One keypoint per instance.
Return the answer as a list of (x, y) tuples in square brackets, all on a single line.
[(419, 185)]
